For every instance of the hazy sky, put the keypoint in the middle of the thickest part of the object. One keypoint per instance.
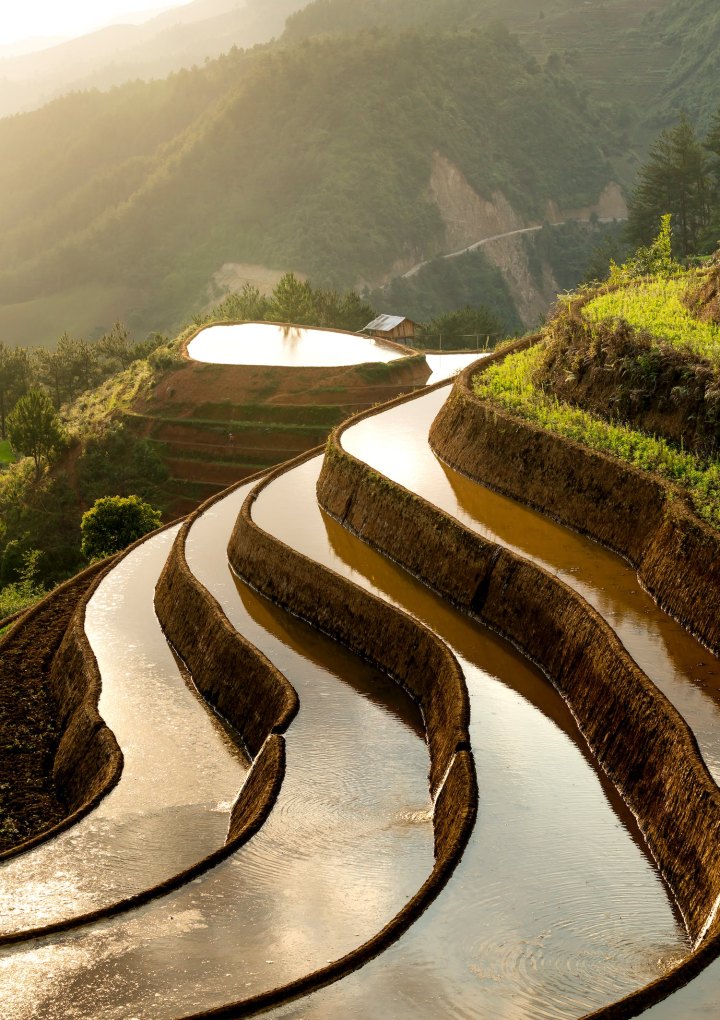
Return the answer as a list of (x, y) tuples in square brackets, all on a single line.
[(30, 18)]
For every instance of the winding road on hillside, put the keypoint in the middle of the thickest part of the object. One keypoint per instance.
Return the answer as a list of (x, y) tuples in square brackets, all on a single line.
[(555, 908), (414, 270)]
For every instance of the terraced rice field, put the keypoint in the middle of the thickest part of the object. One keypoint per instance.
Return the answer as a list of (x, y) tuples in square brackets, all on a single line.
[(555, 908)]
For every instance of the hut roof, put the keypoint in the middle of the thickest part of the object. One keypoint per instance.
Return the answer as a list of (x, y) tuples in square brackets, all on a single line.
[(386, 323)]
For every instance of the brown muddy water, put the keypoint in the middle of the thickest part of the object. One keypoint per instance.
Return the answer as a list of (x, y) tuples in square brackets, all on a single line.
[(264, 343), (348, 842), (681, 667), (554, 910)]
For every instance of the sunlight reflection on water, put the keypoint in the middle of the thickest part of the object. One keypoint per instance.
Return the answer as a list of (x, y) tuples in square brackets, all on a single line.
[(264, 343)]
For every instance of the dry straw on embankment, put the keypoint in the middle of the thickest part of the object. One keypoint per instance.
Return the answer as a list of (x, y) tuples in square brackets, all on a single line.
[(86, 760), (235, 678), (643, 517), (414, 658), (636, 734)]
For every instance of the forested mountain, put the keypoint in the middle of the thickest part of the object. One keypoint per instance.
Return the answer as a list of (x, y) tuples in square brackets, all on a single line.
[(692, 32), (315, 157), (644, 59), (369, 138)]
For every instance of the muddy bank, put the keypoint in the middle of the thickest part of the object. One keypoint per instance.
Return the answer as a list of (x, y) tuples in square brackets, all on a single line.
[(369, 627), (58, 757), (239, 682), (647, 520), (414, 658), (639, 738)]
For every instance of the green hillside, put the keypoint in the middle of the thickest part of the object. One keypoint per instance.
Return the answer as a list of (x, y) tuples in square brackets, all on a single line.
[(313, 157), (179, 37), (315, 153), (692, 33)]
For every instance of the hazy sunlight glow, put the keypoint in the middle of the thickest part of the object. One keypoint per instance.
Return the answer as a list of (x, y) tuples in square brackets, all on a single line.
[(34, 18)]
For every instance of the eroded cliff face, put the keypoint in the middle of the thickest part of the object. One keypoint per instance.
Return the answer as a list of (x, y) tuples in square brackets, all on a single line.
[(611, 205), (473, 221), (533, 296), (467, 216)]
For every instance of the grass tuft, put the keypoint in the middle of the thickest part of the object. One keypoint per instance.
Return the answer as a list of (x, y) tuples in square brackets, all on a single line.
[(657, 306)]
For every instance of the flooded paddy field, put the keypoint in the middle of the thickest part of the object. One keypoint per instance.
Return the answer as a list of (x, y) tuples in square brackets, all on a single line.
[(556, 908)]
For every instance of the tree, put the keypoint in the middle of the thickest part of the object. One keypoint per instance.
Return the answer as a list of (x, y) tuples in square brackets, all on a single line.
[(676, 180), (712, 145), (654, 260), (292, 301), (465, 327), (247, 305), (26, 590), (14, 380), (114, 522), (33, 428), (117, 347)]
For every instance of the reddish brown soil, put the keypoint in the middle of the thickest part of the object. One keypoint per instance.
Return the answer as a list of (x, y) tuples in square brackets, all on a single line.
[(193, 384), (211, 450)]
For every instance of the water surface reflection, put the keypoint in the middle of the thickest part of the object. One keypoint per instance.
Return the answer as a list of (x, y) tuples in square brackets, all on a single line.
[(265, 343), (180, 777), (686, 672), (553, 910), (349, 841)]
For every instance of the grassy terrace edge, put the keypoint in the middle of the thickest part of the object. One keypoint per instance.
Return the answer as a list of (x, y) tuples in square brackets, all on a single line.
[(643, 517), (508, 385)]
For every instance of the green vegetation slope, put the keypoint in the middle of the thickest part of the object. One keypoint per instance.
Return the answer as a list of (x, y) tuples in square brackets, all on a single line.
[(314, 156), (632, 369)]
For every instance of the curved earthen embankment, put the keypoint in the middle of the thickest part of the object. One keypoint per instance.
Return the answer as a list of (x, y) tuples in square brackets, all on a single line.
[(540, 616), (251, 809), (412, 656), (239, 682), (87, 761), (388, 638), (640, 516), (637, 735)]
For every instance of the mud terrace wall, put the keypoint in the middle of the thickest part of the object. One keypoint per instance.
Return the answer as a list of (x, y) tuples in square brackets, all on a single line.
[(647, 520), (235, 678), (639, 738), (87, 760), (388, 638), (417, 660)]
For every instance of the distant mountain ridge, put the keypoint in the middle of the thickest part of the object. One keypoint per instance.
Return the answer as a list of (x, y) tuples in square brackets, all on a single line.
[(315, 156), (316, 152), (120, 53)]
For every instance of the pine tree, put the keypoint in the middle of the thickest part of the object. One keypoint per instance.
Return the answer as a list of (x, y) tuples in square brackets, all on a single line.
[(676, 180)]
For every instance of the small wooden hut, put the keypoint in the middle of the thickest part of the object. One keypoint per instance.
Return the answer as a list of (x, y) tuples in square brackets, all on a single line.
[(391, 327)]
